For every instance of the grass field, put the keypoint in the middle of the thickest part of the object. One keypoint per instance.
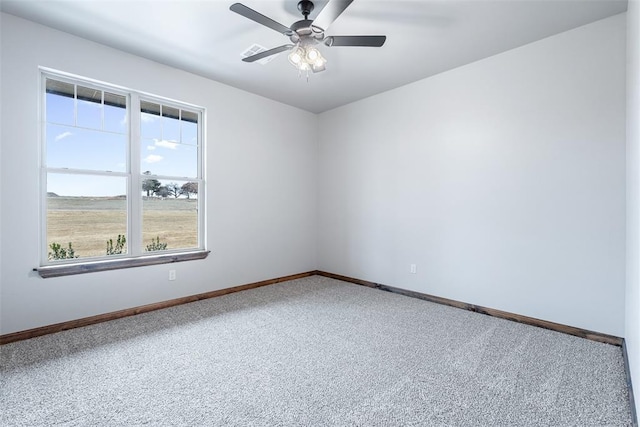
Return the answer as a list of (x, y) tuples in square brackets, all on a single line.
[(88, 222)]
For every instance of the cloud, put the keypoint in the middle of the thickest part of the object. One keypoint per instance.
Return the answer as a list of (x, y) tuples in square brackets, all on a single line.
[(166, 144), (152, 158), (151, 147), (63, 135)]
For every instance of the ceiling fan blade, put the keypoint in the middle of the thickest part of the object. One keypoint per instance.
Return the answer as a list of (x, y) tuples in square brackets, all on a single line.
[(249, 13), (259, 56), (365, 41), (330, 13)]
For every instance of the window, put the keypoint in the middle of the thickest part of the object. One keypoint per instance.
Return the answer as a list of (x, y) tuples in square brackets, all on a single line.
[(122, 174)]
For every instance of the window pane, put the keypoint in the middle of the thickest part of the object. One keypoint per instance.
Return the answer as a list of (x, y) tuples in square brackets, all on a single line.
[(151, 126), (170, 124), (164, 157), (115, 113), (189, 128), (189, 116), (86, 211), (89, 107), (60, 102), (169, 215), (71, 147)]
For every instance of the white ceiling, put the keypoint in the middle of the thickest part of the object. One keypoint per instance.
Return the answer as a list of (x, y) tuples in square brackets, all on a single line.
[(423, 38)]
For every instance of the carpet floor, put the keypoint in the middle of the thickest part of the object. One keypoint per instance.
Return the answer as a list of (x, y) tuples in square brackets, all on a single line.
[(312, 352)]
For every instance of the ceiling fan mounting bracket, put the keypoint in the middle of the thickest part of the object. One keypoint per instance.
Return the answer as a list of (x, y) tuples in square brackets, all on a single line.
[(305, 7)]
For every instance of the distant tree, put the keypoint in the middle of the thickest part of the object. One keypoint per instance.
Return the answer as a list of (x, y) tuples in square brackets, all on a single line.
[(150, 185), (189, 188), (174, 189), (163, 192)]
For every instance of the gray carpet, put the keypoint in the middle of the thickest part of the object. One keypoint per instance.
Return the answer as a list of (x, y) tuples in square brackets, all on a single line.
[(313, 351)]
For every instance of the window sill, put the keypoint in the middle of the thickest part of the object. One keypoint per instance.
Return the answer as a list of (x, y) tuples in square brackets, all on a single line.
[(92, 267)]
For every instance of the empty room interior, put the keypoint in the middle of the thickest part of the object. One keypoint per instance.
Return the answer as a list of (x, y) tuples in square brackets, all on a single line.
[(320, 213)]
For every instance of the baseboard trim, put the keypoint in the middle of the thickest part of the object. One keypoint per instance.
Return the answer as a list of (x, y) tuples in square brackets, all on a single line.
[(558, 327), (86, 321), (58, 327), (627, 371)]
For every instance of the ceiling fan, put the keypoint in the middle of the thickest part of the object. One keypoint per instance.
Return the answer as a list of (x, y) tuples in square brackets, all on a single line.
[(306, 34)]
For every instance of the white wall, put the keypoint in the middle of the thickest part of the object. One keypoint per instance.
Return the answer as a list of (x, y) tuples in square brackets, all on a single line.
[(503, 180), (632, 321), (261, 182)]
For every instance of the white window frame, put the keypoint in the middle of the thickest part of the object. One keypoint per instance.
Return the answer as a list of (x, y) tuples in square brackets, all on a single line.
[(136, 255)]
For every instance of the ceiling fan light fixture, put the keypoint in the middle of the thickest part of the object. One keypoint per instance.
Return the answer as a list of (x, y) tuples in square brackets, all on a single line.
[(312, 54), (319, 66), (307, 58), (296, 57)]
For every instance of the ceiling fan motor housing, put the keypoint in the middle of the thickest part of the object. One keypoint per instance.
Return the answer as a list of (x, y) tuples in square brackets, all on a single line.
[(303, 31)]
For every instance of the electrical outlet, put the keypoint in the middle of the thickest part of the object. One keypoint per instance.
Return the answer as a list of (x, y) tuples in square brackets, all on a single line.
[(172, 275), (412, 269)]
